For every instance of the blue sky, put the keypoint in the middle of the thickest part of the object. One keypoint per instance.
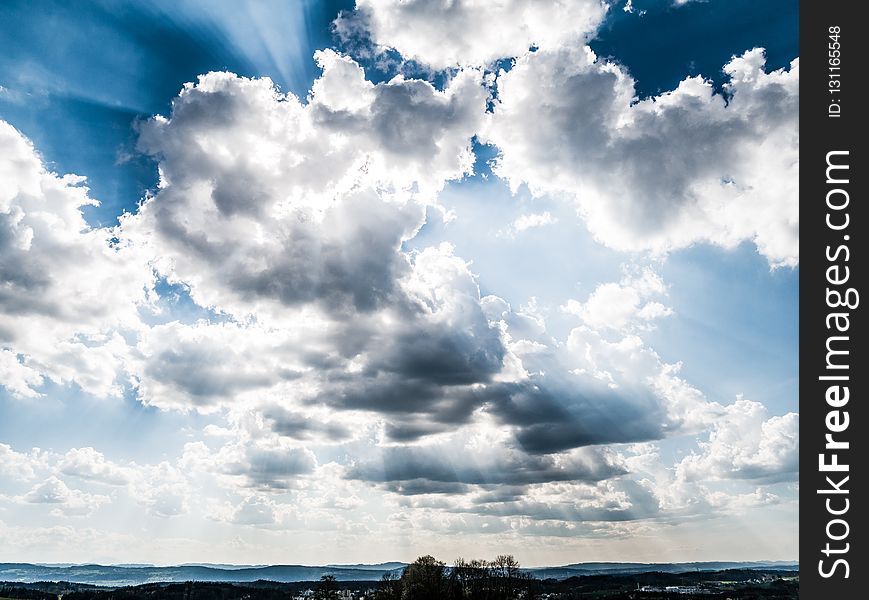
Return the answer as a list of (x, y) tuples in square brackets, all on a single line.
[(362, 310)]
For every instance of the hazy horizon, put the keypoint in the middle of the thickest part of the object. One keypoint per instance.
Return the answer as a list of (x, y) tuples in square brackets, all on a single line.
[(387, 562)]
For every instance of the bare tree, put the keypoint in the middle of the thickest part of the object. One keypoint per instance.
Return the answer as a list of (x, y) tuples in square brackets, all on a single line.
[(389, 587), (327, 588)]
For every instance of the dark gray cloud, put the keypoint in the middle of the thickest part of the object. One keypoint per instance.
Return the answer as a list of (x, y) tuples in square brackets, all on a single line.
[(626, 501), (407, 467), (201, 374), (443, 356), (295, 425), (552, 416), (271, 467), (23, 282), (414, 487), (346, 260)]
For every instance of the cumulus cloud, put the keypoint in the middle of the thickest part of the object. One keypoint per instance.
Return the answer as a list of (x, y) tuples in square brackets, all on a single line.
[(285, 190), (19, 379), (19, 465), (599, 386), (415, 360), (616, 305), (306, 208), (614, 500), (68, 501), (661, 173), (87, 463), (746, 443), (445, 34), (747, 459), (66, 289)]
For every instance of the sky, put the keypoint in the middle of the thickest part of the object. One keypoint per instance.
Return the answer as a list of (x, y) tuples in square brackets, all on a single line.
[(336, 282)]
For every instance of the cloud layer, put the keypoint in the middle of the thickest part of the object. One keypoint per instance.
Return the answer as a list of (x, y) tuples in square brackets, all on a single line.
[(343, 372)]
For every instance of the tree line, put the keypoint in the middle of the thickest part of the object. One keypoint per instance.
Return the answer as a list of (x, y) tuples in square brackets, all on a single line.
[(430, 579)]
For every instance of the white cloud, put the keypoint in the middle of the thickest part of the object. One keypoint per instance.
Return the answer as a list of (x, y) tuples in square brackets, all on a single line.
[(162, 488), (444, 33), (617, 305), (746, 443), (19, 465), (305, 208), (603, 384), (285, 190), (662, 173), (88, 464), (533, 220), (259, 510), (528, 221), (68, 501), (66, 287), (653, 396), (20, 380)]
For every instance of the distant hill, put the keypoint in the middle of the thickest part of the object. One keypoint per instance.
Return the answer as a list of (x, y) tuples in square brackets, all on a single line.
[(227, 566), (110, 575), (738, 583), (117, 575), (387, 566), (615, 568)]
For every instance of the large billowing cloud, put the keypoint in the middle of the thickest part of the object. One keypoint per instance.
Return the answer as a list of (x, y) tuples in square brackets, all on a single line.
[(747, 457), (656, 174), (295, 214), (746, 443), (447, 33), (66, 289), (287, 220), (267, 202), (661, 173)]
